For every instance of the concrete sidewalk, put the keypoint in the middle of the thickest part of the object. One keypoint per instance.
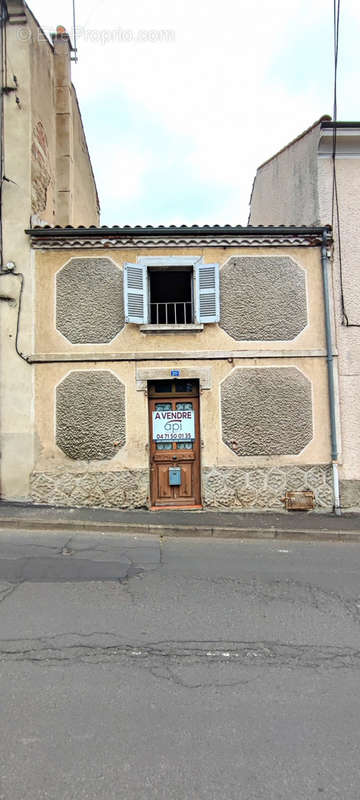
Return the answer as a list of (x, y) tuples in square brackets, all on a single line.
[(285, 525)]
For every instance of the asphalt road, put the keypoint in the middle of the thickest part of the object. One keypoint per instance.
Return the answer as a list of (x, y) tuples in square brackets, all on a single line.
[(189, 669)]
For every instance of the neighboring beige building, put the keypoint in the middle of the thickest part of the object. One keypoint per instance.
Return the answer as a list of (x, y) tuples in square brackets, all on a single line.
[(181, 367), (295, 187), (48, 180)]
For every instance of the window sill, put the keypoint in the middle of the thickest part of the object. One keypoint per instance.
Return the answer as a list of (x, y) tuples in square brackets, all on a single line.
[(191, 328)]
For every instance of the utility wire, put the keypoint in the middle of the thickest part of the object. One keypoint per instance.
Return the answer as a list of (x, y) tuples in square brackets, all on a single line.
[(74, 34), (335, 210)]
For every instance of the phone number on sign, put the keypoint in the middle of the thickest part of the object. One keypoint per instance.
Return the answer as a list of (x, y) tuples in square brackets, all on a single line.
[(172, 436)]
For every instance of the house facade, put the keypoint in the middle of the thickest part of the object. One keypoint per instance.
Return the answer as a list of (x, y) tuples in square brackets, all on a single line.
[(296, 186), (174, 367)]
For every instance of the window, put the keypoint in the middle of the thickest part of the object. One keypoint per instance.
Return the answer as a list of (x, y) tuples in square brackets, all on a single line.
[(170, 296), (179, 290)]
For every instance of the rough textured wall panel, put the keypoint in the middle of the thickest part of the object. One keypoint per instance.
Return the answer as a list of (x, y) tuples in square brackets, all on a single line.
[(263, 298), (123, 489), (90, 415), (266, 411), (89, 300)]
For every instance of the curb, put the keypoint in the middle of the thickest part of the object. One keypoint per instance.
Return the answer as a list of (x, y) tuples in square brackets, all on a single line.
[(191, 531)]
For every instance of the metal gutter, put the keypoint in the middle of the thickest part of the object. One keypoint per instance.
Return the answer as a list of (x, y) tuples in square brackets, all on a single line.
[(173, 230), (332, 124)]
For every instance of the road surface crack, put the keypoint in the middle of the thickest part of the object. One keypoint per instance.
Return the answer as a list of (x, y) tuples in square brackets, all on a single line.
[(101, 648)]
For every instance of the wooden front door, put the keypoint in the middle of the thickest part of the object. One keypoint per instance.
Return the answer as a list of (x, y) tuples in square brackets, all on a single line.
[(179, 395)]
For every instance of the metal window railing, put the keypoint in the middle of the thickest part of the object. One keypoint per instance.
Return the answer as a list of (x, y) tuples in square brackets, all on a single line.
[(171, 313)]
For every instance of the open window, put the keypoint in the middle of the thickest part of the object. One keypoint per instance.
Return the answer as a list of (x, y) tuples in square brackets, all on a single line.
[(170, 295), (175, 291)]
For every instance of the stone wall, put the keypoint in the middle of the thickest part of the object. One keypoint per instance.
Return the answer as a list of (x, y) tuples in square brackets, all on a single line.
[(227, 488), (123, 489), (89, 300), (234, 488), (263, 298)]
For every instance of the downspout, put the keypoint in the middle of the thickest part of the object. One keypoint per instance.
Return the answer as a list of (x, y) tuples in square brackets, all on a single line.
[(330, 368)]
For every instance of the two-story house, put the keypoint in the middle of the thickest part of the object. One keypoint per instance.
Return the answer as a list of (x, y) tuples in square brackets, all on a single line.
[(177, 366)]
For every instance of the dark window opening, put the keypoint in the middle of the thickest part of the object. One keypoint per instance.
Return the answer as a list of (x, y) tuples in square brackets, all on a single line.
[(183, 386), (170, 297)]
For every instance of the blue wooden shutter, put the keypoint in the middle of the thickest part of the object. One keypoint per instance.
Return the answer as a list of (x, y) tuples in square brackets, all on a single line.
[(135, 293), (207, 292)]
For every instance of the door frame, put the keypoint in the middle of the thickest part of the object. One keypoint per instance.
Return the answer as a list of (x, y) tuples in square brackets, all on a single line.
[(181, 397)]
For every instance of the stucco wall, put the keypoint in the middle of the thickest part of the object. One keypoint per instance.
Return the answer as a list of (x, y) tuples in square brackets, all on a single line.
[(56, 476), (16, 378), (85, 200), (285, 188), (30, 148), (43, 126), (296, 187), (306, 267), (348, 338), (65, 470)]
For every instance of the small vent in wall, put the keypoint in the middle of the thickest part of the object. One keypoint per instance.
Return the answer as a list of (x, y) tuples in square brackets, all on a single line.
[(299, 501)]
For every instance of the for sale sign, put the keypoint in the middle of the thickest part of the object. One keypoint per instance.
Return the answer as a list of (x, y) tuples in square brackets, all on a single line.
[(173, 426)]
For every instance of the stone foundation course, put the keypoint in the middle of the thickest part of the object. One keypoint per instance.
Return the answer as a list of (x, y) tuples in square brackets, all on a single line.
[(124, 489), (262, 488), (227, 488)]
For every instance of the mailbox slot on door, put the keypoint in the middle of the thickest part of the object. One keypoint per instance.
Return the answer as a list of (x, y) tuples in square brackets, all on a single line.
[(174, 476)]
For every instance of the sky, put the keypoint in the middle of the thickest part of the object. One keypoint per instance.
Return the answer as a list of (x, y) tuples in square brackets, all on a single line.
[(182, 99)]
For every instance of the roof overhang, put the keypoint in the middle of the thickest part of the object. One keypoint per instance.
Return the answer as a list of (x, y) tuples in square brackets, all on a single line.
[(347, 139), (54, 238)]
